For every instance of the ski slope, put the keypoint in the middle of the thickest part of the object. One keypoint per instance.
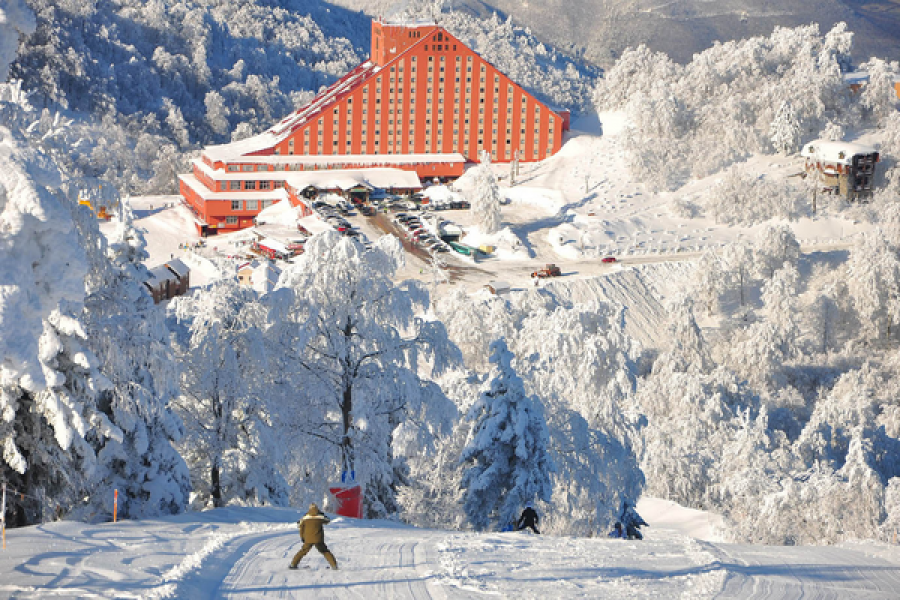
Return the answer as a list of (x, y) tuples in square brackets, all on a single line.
[(244, 553)]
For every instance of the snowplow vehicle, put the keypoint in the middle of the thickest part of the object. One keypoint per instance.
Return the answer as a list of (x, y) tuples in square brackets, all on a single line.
[(547, 271)]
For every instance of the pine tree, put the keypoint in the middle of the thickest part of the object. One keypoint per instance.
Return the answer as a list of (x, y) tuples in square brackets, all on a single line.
[(506, 457), (50, 425), (486, 197), (785, 129), (129, 336)]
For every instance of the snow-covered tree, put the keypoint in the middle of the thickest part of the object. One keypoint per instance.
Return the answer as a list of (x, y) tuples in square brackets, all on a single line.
[(708, 281), (128, 334), (779, 295), (506, 457), (596, 472), (878, 94), (486, 197), (873, 274), (228, 443), (17, 20), (738, 258), (775, 246), (351, 346), (217, 112), (50, 425), (784, 132)]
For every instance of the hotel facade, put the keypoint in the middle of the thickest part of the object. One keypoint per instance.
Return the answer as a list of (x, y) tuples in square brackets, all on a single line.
[(423, 102)]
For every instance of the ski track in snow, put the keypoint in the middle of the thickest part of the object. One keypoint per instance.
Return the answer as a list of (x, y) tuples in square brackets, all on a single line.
[(245, 552), (776, 572)]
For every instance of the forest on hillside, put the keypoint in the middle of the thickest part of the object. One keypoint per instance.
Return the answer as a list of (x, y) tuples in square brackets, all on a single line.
[(145, 85), (769, 398)]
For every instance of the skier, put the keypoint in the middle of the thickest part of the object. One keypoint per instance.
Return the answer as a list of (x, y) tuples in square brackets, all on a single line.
[(312, 532), (529, 518), (618, 532), (632, 521)]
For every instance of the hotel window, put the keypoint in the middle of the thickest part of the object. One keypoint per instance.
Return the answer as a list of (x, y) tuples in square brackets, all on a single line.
[(234, 168), (231, 220), (235, 205), (234, 185), (252, 205), (246, 167), (265, 185), (249, 185)]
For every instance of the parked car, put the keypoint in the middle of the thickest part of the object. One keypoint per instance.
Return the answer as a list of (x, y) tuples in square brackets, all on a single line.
[(609, 259), (367, 211)]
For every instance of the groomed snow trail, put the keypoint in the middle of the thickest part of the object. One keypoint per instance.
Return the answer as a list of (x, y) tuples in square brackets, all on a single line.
[(373, 562), (785, 572), (244, 553)]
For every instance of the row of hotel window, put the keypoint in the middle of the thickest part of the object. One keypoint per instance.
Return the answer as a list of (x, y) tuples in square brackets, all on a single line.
[(251, 204), (411, 146), (252, 185)]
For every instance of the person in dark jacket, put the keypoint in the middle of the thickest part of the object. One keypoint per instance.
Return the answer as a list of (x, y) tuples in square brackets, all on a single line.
[(617, 532), (312, 532), (529, 518)]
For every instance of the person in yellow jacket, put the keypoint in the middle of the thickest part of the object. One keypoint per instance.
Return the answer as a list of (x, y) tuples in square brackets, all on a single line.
[(312, 532)]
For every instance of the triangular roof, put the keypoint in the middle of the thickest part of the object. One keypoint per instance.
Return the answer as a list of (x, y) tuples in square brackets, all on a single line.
[(264, 142)]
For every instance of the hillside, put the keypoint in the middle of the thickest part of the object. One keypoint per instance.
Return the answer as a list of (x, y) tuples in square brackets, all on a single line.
[(599, 30)]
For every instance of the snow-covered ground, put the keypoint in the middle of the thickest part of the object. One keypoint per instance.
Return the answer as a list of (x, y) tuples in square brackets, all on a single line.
[(244, 553)]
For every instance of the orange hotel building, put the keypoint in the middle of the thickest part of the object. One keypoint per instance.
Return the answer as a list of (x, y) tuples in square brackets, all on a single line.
[(423, 102)]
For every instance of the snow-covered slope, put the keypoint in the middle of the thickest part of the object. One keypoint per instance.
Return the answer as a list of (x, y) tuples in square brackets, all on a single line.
[(601, 29), (244, 553)]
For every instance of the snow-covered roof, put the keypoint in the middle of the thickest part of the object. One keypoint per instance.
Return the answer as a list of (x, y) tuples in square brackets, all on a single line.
[(178, 267), (313, 224), (207, 194), (279, 160), (160, 274), (256, 143), (274, 245), (346, 179), (835, 152), (410, 22), (861, 76)]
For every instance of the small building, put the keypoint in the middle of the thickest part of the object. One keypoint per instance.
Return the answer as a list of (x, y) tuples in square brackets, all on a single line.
[(182, 274), (845, 168), (168, 280), (261, 275), (497, 287)]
